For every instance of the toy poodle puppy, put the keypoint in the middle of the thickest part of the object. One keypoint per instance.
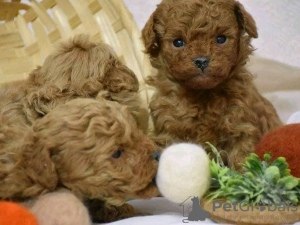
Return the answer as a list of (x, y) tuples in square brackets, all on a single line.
[(78, 68), (203, 90), (91, 147)]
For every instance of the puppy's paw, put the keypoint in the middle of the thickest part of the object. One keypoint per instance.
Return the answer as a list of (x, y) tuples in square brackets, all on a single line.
[(114, 213)]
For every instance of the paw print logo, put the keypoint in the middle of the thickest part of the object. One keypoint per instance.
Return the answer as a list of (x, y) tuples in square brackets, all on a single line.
[(261, 206)]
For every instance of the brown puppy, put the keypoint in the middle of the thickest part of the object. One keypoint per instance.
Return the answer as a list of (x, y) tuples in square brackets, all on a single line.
[(78, 68), (91, 147), (203, 91)]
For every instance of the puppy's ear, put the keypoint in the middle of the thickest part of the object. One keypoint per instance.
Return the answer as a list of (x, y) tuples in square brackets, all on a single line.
[(121, 78), (37, 162), (245, 20), (150, 37), (35, 77)]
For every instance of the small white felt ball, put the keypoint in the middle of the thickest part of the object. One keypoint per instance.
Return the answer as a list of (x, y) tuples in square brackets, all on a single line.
[(295, 118), (183, 172)]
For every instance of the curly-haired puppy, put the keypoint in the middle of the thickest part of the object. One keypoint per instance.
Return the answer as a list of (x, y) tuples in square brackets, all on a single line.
[(91, 147), (78, 68), (203, 91)]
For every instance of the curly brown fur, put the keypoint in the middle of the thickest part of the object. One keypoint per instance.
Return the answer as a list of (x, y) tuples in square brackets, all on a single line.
[(78, 68), (74, 146), (218, 103)]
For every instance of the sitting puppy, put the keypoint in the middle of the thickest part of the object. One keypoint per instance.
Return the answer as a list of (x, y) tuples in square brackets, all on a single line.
[(203, 91), (78, 68), (91, 147)]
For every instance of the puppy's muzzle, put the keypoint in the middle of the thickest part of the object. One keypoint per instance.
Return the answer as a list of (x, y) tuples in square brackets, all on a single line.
[(155, 155), (201, 62)]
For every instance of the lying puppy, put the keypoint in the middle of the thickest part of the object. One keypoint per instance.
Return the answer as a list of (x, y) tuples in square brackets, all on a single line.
[(91, 147), (78, 68), (203, 91)]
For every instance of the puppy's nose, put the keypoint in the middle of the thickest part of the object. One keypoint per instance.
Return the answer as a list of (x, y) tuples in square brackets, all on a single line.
[(154, 181), (155, 155), (201, 62)]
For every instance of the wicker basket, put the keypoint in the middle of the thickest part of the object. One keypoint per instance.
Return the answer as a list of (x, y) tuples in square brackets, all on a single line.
[(27, 37)]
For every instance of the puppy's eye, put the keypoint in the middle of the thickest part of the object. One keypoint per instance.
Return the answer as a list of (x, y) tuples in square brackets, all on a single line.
[(117, 154), (178, 43), (221, 39)]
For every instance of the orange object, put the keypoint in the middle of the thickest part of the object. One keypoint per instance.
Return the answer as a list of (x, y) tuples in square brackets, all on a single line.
[(283, 141), (15, 214)]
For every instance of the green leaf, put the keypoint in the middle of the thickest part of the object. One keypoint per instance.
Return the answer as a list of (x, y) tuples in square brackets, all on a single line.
[(293, 198), (216, 153), (267, 157), (253, 164), (272, 174), (288, 183), (214, 168), (282, 165)]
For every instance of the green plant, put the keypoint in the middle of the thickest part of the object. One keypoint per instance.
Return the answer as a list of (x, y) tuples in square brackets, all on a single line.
[(262, 181)]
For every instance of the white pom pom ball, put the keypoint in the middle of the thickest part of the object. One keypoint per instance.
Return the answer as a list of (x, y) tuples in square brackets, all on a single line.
[(183, 171), (295, 118)]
